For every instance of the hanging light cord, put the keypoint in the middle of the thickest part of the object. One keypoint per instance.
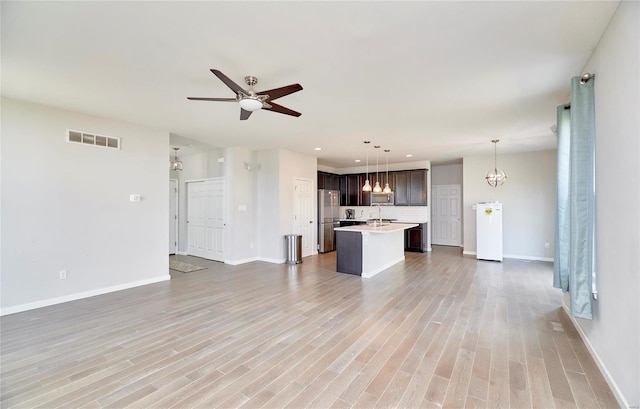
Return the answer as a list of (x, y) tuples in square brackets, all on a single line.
[(387, 152), (495, 155), (377, 167)]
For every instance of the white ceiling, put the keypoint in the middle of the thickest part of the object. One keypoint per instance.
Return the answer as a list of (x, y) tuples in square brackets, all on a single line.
[(435, 79)]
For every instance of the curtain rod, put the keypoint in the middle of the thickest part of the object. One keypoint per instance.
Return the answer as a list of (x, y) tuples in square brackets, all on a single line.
[(586, 77), (583, 80)]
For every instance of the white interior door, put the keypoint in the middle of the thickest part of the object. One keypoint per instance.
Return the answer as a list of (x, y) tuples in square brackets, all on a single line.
[(173, 216), (446, 215), (303, 218), (205, 219)]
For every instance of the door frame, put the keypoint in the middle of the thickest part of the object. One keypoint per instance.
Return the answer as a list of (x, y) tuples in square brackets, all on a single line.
[(314, 212), (224, 210), (177, 218), (434, 213)]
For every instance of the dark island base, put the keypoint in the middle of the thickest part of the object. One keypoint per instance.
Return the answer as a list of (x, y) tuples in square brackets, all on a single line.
[(349, 252)]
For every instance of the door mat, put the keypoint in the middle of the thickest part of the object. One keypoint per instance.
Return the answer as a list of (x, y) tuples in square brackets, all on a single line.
[(184, 267)]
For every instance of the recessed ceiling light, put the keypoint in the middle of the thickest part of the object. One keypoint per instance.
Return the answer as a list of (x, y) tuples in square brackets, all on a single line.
[(408, 155), (357, 160), (317, 149)]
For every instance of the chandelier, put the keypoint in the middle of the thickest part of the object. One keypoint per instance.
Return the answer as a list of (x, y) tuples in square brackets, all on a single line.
[(175, 163), (495, 177)]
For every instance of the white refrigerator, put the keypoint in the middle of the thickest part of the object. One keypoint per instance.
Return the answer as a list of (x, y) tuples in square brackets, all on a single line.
[(489, 231)]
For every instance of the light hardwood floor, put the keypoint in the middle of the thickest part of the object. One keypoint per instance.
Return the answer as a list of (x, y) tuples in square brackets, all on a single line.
[(438, 330)]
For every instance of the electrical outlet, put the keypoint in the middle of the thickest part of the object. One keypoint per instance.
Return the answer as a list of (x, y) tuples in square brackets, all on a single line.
[(546, 245), (63, 275)]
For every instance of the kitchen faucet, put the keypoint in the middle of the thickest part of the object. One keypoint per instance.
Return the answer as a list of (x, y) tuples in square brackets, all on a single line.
[(379, 211)]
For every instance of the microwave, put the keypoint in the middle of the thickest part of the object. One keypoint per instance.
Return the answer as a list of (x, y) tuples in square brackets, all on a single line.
[(382, 199)]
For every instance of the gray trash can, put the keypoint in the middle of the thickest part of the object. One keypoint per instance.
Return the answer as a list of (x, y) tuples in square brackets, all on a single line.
[(293, 244)]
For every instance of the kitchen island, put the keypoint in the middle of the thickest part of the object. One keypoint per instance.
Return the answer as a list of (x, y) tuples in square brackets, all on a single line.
[(366, 250)]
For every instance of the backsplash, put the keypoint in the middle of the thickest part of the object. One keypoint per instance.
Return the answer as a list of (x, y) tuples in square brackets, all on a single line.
[(403, 213)]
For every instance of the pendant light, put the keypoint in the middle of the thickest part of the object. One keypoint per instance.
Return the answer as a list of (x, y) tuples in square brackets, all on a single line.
[(175, 163), (367, 185), (377, 188), (387, 188), (495, 177)]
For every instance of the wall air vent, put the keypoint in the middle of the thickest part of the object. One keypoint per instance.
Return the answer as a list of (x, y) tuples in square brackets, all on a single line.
[(92, 139)]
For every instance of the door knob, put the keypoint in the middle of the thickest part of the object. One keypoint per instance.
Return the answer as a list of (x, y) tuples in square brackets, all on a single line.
[(310, 221)]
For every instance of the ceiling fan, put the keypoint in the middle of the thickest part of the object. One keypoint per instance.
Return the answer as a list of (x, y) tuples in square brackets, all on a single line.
[(250, 100)]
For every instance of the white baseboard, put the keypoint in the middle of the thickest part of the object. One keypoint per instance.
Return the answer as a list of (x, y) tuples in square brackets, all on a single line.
[(182, 253), (607, 376), (528, 258), (251, 259), (473, 253), (78, 296), (241, 261), (273, 260)]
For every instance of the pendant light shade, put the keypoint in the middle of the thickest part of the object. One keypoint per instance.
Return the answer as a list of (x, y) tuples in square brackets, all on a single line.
[(367, 185), (387, 188), (495, 177), (175, 163)]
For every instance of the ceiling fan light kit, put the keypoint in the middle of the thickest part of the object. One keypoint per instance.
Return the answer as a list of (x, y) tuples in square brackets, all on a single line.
[(249, 100), (250, 104)]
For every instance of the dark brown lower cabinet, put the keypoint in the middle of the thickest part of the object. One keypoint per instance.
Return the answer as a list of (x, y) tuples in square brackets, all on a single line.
[(415, 238)]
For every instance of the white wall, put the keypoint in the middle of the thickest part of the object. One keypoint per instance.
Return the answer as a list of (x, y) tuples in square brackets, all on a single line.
[(268, 210), (614, 332), (528, 197), (274, 218), (446, 175), (294, 165), (241, 202), (66, 207)]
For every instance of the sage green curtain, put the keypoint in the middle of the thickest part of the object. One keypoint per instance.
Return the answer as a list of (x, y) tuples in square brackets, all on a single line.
[(561, 252), (574, 266)]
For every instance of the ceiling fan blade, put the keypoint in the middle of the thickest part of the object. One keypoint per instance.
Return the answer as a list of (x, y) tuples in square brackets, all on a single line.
[(234, 87), (281, 110), (212, 99), (281, 92), (244, 114)]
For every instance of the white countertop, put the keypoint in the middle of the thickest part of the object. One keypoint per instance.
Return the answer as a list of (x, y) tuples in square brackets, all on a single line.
[(394, 221), (387, 228)]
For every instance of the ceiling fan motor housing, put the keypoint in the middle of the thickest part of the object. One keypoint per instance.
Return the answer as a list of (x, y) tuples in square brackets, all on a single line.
[(251, 80)]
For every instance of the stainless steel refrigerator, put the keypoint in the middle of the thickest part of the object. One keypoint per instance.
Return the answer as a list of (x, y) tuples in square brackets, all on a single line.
[(328, 218)]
